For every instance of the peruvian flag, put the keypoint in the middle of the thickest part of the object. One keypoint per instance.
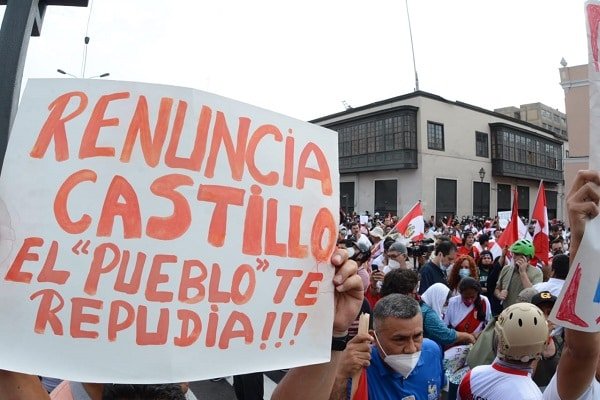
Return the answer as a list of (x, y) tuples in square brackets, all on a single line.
[(541, 232), (512, 233), (456, 239), (412, 226)]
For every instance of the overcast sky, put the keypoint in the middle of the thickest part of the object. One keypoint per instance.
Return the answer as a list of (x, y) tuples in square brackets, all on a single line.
[(303, 58)]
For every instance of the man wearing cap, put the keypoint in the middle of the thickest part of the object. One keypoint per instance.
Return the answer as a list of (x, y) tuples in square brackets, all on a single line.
[(377, 239), (520, 274)]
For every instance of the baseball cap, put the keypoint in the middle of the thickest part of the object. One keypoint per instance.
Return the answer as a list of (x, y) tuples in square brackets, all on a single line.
[(543, 297)]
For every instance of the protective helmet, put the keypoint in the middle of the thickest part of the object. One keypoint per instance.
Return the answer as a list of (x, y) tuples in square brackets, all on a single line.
[(523, 246), (522, 332)]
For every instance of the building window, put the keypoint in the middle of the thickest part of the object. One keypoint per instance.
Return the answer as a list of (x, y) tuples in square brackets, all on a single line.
[(445, 198), (523, 194), (481, 199), (435, 136), (551, 203), (386, 196), (347, 197), (504, 198), (481, 144)]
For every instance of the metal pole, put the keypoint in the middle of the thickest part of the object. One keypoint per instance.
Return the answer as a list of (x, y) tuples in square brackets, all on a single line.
[(413, 49), (17, 27)]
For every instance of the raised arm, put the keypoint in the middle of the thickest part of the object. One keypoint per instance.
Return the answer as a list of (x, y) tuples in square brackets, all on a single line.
[(578, 362), (15, 386), (316, 381)]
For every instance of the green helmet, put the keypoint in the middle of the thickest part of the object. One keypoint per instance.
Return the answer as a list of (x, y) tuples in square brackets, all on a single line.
[(523, 246)]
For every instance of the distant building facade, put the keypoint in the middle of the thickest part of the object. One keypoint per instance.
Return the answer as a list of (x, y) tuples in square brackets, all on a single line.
[(541, 115), (420, 146), (574, 81)]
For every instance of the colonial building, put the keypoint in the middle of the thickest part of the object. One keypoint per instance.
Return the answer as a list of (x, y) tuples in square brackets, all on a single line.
[(455, 157)]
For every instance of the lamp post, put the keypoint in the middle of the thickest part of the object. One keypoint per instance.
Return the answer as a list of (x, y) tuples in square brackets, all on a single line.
[(104, 75), (481, 175), (22, 19)]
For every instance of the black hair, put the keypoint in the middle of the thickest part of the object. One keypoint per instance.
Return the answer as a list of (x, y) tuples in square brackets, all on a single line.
[(445, 247), (484, 237), (387, 243), (470, 283), (169, 391), (402, 281), (560, 266)]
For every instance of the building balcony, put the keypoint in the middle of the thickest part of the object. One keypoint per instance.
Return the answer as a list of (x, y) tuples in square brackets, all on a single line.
[(515, 169), (385, 160)]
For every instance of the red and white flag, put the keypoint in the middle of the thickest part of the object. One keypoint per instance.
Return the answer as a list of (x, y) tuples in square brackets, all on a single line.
[(412, 225), (512, 232), (456, 239), (541, 232)]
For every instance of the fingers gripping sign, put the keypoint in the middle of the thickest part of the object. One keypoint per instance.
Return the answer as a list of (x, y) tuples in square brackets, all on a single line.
[(579, 302)]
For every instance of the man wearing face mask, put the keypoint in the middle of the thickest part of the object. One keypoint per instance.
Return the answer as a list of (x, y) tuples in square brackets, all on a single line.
[(397, 256), (402, 364), (434, 270)]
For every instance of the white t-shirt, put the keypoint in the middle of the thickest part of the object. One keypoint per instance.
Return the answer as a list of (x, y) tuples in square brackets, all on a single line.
[(364, 239), (457, 311), (593, 392), (497, 382), (554, 286)]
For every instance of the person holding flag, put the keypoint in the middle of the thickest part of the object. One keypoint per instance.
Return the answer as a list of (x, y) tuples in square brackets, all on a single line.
[(541, 232)]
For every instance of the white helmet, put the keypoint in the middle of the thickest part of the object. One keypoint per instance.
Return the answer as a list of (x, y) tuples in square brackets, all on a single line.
[(522, 332)]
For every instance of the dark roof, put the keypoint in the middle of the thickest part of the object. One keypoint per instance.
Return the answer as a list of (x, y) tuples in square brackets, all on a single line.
[(420, 93)]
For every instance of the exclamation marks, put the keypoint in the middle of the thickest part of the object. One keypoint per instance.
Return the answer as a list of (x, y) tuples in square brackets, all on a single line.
[(286, 317), (270, 319), (284, 323), (299, 322)]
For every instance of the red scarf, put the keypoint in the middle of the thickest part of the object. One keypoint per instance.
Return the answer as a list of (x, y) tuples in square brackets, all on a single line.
[(470, 321)]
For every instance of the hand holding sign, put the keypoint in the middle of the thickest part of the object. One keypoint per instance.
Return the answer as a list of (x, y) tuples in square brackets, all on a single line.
[(578, 307)]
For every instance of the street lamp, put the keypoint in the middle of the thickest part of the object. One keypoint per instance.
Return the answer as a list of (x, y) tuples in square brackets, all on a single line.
[(60, 71), (104, 75), (481, 175)]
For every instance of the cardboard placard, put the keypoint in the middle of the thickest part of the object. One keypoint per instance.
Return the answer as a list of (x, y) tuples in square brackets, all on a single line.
[(162, 234)]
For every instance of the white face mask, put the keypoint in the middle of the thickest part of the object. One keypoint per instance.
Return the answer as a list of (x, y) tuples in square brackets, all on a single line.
[(464, 272), (393, 264), (403, 364)]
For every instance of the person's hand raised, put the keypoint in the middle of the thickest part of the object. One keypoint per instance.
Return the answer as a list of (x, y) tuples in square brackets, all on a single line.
[(349, 292)]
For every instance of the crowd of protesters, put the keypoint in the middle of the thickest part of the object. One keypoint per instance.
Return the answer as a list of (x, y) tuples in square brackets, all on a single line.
[(448, 321)]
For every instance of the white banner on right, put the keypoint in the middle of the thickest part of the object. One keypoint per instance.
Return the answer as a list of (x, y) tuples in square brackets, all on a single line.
[(579, 302)]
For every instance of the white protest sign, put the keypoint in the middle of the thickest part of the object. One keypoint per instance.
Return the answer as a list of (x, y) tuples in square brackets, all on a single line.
[(364, 219), (578, 305), (505, 215), (161, 234)]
